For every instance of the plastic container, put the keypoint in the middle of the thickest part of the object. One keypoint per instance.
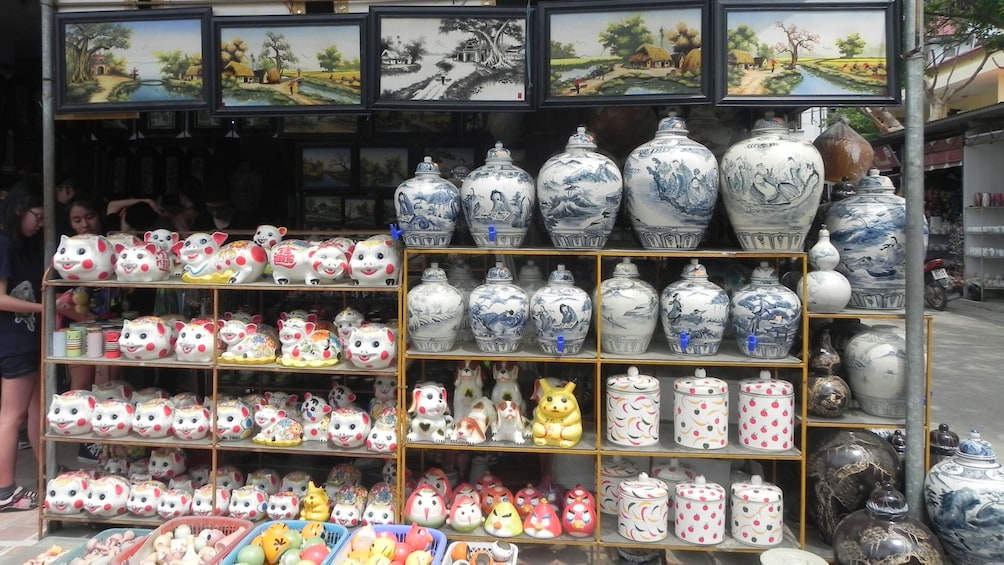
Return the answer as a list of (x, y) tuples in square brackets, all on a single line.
[(438, 548), (101, 536), (334, 537), (477, 546), (225, 524)]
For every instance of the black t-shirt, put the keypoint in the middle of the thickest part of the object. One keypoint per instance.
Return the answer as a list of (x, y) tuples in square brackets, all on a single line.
[(23, 269)]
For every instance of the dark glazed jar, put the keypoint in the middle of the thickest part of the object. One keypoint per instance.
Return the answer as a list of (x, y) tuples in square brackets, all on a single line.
[(828, 396), (824, 359), (943, 443), (843, 468), (884, 533)]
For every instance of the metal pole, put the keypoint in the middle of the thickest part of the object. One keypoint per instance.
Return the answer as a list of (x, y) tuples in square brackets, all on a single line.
[(913, 185), (48, 131)]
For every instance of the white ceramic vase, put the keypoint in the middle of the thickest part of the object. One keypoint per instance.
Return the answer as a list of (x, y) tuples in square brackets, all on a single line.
[(427, 207), (459, 277), (498, 199), (629, 311), (825, 290), (434, 312), (498, 310), (875, 361), (694, 312)]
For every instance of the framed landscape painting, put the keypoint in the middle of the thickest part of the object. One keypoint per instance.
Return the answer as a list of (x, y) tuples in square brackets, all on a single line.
[(134, 60), (325, 166), (449, 58), (289, 65), (630, 53), (789, 52)]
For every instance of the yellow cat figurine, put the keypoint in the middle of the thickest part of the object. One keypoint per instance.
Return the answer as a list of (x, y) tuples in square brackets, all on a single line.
[(557, 419), (315, 504)]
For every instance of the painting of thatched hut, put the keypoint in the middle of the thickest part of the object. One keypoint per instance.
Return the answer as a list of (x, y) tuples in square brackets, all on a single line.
[(651, 56), (740, 58)]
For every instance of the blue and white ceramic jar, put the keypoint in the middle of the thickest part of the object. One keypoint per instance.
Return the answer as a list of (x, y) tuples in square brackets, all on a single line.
[(629, 311), (765, 315), (965, 501), (561, 313), (670, 188), (427, 207), (579, 192), (771, 184), (434, 311), (498, 309), (530, 278), (875, 362), (498, 199), (459, 277), (869, 230), (694, 312)]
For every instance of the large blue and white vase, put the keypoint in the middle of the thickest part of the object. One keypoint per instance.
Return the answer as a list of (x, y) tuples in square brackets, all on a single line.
[(459, 276), (427, 207), (869, 231), (875, 363), (629, 311), (498, 199), (694, 312), (765, 315), (825, 289), (530, 278), (579, 192), (771, 184), (561, 313), (434, 312), (965, 502), (498, 310), (670, 188)]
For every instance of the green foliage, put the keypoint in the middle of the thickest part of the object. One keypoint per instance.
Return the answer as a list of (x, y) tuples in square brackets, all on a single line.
[(850, 46), (561, 50), (857, 119), (330, 58), (623, 38), (742, 38), (173, 64), (961, 21)]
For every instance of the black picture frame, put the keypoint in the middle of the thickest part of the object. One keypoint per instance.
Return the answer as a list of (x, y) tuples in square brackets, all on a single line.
[(320, 125), (384, 166), (162, 123), (586, 60), (437, 58), (321, 212), (325, 167), (115, 61), (318, 82), (773, 76)]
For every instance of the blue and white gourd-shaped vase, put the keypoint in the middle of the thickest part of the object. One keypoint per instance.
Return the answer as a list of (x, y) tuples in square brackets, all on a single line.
[(965, 501), (579, 192), (434, 312), (765, 315), (561, 313), (498, 199), (869, 231), (828, 291), (694, 312), (459, 277), (771, 184), (498, 310), (629, 311), (427, 207), (530, 278), (670, 188)]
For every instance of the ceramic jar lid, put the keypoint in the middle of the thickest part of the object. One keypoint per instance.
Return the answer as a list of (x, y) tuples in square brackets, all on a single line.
[(763, 274), (618, 468), (944, 440), (499, 273), (888, 502), (976, 450), (427, 167), (581, 139), (875, 182), (766, 386), (632, 381), (701, 385), (672, 471), (769, 121), (695, 270), (644, 487), (561, 275), (700, 490), (672, 124), (498, 155), (626, 269), (433, 273), (757, 491)]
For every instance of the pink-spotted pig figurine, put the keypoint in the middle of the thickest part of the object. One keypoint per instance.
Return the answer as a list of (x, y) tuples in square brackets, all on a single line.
[(372, 346), (174, 504), (146, 338), (248, 503), (141, 263), (376, 261), (204, 503), (154, 418), (113, 418), (167, 463), (144, 498), (283, 505), (191, 422), (66, 493), (207, 260), (71, 413), (294, 260), (107, 496), (85, 257), (196, 341)]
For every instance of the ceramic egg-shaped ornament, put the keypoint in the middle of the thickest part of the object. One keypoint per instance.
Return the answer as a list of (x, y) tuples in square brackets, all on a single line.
[(465, 515), (427, 207), (85, 258), (542, 522), (426, 507), (503, 520), (498, 200), (561, 313), (434, 312)]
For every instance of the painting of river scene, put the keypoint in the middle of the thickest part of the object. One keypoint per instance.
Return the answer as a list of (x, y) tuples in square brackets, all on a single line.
[(115, 61), (460, 58), (623, 52), (844, 52), (289, 65)]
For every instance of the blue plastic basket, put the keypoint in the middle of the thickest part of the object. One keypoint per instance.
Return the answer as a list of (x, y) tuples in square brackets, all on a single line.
[(334, 537), (67, 557), (438, 548)]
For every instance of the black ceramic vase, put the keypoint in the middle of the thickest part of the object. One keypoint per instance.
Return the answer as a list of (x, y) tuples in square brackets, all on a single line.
[(884, 533)]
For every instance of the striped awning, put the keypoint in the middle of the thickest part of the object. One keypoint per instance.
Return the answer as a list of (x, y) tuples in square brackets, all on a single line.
[(943, 153)]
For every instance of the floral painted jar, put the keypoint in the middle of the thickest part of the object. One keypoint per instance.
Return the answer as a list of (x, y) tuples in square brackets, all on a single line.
[(633, 409), (643, 509), (767, 413), (498, 200), (694, 312), (629, 311), (498, 310), (613, 471), (427, 207), (561, 313), (701, 411), (700, 512), (434, 312), (757, 510), (766, 315), (672, 471), (579, 192)]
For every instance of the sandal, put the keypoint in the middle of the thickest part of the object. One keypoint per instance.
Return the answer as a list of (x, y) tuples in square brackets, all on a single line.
[(20, 499)]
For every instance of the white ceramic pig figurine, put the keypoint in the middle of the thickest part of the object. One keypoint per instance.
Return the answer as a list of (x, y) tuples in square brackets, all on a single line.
[(196, 341), (144, 498), (229, 477), (321, 348), (283, 505), (372, 346), (66, 493), (376, 262), (349, 427), (268, 236), (350, 501), (146, 338), (205, 504), (232, 329), (266, 480), (142, 263), (107, 496), (154, 418), (316, 413), (113, 418), (383, 436), (71, 413), (292, 329), (234, 420), (175, 503), (167, 462), (296, 482), (248, 503), (86, 257), (294, 260), (380, 507), (191, 422), (207, 260)]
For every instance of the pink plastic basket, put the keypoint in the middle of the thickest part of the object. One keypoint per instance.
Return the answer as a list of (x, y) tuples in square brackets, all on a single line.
[(438, 548), (334, 537), (233, 528)]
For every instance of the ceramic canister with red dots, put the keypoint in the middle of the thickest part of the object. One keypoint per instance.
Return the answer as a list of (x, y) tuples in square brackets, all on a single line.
[(766, 413), (757, 510), (700, 512)]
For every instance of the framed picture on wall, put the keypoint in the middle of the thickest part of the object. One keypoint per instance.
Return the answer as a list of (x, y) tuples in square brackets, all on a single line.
[(361, 212), (384, 167), (412, 122), (449, 157), (321, 212), (790, 53), (325, 166), (130, 60), (329, 124)]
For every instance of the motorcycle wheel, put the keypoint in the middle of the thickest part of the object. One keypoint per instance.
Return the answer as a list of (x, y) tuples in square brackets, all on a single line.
[(935, 295)]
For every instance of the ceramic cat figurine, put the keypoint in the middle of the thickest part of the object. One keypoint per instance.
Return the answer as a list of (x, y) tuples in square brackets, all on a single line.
[(557, 420), (315, 413)]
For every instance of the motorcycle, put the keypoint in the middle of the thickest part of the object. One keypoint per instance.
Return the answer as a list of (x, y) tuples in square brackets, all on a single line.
[(936, 284)]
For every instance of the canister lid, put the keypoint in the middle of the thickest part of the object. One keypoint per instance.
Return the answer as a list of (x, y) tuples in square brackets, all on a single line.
[(616, 467), (701, 384), (427, 166), (626, 269), (756, 490), (499, 273), (766, 386), (644, 487), (561, 275), (672, 124), (498, 154), (671, 470), (632, 381), (701, 490), (581, 139), (434, 273)]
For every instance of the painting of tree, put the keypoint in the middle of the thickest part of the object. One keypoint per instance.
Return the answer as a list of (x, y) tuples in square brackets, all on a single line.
[(84, 41), (799, 40)]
